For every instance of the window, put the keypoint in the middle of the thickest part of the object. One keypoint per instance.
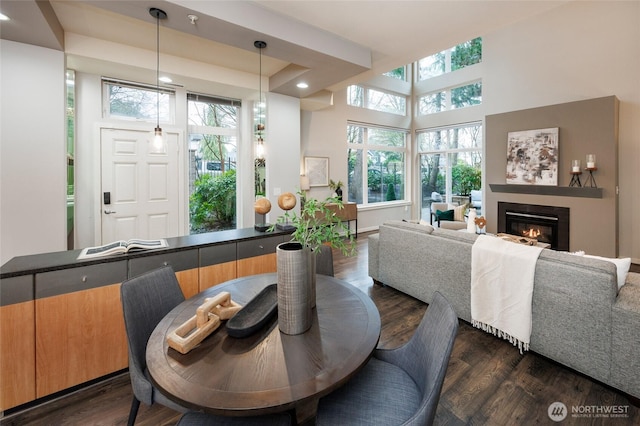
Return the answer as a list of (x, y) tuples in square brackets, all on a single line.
[(71, 142), (376, 164), (399, 73), (458, 57), (450, 164), (130, 101), (454, 98), (213, 140), (376, 100)]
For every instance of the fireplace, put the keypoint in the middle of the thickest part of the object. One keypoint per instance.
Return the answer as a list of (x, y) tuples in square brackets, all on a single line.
[(548, 224)]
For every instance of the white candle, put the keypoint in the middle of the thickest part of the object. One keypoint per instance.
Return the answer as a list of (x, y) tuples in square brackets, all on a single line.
[(591, 161), (575, 166)]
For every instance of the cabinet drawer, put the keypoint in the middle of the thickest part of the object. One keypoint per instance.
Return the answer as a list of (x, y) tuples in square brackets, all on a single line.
[(179, 261), (214, 255), (16, 290), (258, 247), (71, 280)]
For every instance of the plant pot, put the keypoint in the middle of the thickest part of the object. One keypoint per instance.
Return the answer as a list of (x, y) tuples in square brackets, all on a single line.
[(294, 288), (339, 193)]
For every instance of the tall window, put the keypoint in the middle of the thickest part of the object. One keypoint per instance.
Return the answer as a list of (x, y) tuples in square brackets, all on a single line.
[(71, 143), (450, 164), (376, 164), (213, 141), (376, 100)]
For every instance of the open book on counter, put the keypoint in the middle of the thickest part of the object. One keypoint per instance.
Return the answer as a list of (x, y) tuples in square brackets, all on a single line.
[(121, 247)]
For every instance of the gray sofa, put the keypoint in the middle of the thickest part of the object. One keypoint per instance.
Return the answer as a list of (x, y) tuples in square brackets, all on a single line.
[(579, 318)]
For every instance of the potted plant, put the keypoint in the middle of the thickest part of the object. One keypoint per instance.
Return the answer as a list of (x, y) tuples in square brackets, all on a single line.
[(336, 187), (316, 224)]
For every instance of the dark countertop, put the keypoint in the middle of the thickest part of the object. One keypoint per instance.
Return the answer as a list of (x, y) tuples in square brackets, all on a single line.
[(45, 262)]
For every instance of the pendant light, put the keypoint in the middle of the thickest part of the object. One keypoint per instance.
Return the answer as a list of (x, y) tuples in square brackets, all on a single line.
[(260, 126), (157, 146)]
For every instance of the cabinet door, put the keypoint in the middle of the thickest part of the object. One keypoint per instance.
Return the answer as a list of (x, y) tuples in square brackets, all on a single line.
[(184, 263), (17, 342), (80, 331), (258, 256), (217, 264)]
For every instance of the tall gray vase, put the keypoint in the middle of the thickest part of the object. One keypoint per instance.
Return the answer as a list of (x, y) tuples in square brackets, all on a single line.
[(294, 288)]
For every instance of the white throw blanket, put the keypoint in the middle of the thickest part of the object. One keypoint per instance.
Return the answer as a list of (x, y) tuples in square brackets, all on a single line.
[(502, 276)]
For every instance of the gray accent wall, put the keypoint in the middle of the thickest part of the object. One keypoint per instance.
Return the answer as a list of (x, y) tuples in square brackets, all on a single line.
[(585, 127)]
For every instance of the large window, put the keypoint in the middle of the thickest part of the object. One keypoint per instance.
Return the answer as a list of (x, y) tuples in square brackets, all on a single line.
[(376, 164), (213, 141), (450, 164), (376, 100)]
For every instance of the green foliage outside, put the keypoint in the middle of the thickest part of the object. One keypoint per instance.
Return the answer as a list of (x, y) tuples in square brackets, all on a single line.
[(212, 205), (465, 178), (391, 193)]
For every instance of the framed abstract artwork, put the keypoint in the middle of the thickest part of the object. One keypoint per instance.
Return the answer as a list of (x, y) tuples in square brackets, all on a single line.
[(532, 157), (317, 170)]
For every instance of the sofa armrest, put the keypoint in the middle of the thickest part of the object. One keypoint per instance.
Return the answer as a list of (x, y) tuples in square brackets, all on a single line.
[(374, 256)]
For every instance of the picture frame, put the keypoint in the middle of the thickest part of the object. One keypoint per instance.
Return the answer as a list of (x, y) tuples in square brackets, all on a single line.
[(532, 157), (317, 170)]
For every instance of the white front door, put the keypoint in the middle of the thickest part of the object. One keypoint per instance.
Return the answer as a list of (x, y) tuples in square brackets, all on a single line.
[(140, 194)]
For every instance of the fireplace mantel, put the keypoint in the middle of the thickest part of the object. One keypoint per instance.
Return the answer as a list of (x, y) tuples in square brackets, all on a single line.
[(563, 191)]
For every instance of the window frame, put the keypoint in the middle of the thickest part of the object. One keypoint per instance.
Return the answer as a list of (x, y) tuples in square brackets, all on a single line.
[(366, 147)]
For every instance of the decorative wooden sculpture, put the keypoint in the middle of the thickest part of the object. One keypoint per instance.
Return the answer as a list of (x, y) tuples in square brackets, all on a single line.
[(207, 319)]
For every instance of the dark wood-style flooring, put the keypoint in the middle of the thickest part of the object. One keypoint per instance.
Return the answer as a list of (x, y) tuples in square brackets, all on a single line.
[(488, 382)]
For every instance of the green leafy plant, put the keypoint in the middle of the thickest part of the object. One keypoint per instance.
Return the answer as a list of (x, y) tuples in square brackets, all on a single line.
[(212, 203), (317, 224), (335, 185)]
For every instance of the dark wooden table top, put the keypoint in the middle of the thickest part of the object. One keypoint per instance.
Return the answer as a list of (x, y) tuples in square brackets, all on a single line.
[(268, 371)]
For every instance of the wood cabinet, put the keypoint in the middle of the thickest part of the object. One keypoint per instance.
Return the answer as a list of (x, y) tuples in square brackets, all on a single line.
[(79, 326), (61, 321), (258, 256), (184, 264), (217, 265), (17, 342)]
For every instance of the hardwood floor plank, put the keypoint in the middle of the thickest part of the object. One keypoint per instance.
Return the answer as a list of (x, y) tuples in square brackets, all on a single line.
[(488, 382)]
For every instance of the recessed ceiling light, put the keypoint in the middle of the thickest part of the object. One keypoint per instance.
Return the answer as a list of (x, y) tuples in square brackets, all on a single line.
[(165, 79), (302, 85), (3, 17)]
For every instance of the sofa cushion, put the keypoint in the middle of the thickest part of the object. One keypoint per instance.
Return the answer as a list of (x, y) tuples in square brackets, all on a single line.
[(422, 226), (458, 213), (622, 265), (445, 215)]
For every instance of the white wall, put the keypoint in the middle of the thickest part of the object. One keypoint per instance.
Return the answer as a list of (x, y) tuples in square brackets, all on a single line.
[(282, 154), (32, 151), (579, 51)]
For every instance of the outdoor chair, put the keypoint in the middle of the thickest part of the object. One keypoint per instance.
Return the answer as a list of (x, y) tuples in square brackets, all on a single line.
[(398, 386)]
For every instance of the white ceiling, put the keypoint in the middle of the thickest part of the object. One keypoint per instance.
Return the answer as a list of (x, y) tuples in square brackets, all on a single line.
[(326, 43)]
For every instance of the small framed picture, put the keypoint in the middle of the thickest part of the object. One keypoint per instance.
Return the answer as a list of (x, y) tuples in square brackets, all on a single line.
[(317, 170)]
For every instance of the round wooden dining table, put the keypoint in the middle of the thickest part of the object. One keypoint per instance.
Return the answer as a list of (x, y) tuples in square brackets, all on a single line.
[(268, 371)]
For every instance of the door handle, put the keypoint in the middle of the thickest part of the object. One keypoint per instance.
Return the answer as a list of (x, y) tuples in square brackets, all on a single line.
[(109, 211)]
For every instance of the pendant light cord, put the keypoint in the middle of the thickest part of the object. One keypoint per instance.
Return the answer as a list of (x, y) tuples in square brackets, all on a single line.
[(158, 71)]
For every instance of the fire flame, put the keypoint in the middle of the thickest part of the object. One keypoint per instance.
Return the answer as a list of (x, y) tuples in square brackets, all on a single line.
[(531, 233)]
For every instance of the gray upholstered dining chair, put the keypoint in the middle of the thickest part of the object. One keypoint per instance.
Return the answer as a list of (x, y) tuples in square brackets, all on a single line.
[(324, 261), (146, 299), (398, 386)]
